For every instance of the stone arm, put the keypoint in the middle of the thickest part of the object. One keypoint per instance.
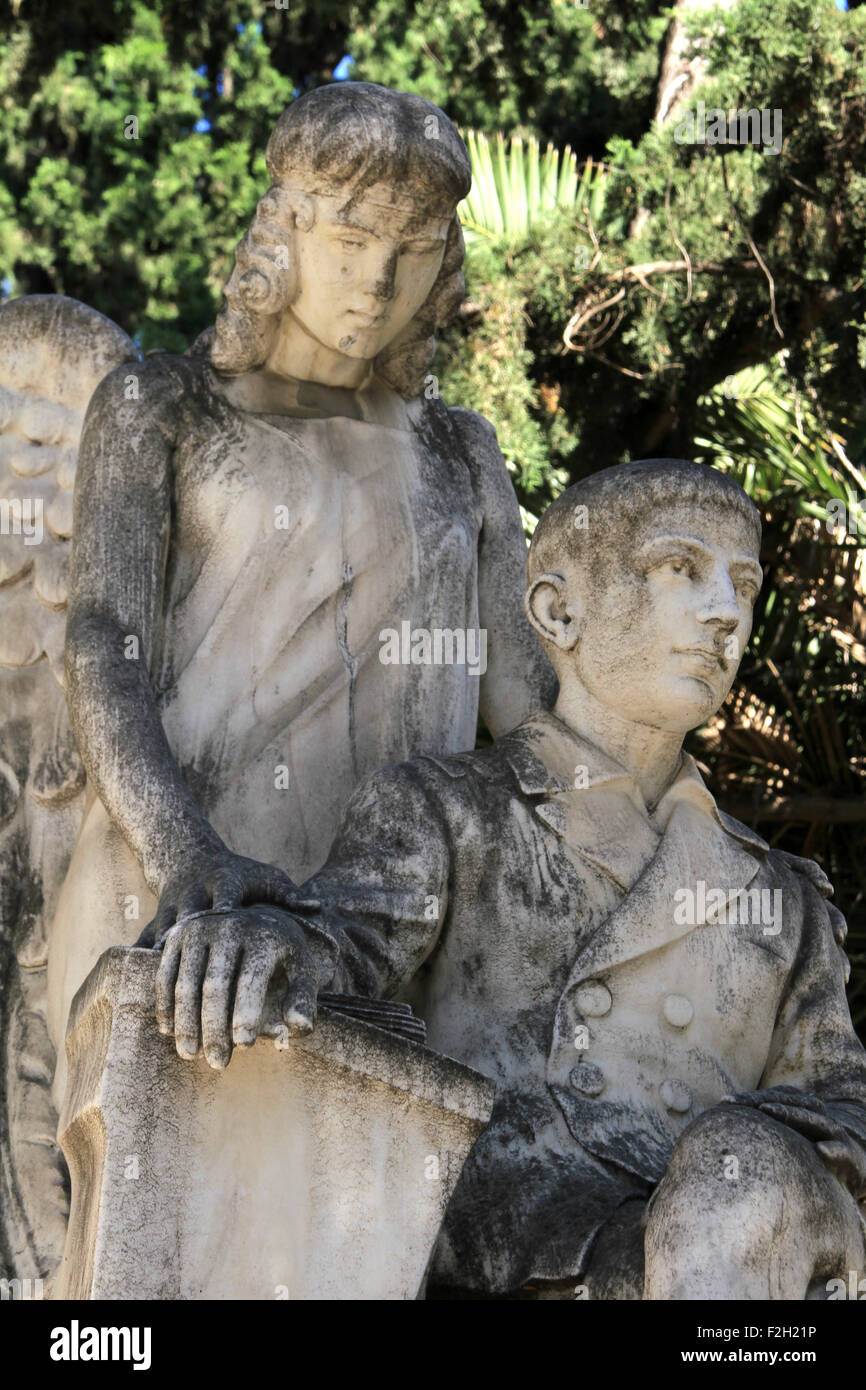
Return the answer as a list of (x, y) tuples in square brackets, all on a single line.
[(815, 1077), (362, 925), (123, 508), (382, 895), (519, 679)]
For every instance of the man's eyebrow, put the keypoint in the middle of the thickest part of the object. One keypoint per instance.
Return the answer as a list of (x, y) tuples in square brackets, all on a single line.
[(657, 546), (750, 566)]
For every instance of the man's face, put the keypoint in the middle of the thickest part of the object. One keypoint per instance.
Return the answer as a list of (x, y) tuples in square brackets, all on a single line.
[(365, 272), (660, 645)]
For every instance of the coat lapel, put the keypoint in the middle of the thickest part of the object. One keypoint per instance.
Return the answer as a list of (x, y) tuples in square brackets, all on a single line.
[(694, 847), (605, 822), (586, 798), (604, 827)]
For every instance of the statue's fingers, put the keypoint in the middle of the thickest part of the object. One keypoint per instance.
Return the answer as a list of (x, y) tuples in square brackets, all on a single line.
[(789, 1095), (278, 887), (838, 924), (216, 1003), (195, 897), (166, 979), (187, 995), (253, 980), (299, 1003), (160, 925), (227, 890), (801, 1100)]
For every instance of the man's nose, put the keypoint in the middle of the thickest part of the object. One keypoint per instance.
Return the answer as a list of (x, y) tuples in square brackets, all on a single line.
[(720, 606)]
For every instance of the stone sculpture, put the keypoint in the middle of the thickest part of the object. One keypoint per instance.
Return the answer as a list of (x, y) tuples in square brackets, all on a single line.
[(317, 1169), (53, 354), (658, 995), (252, 521)]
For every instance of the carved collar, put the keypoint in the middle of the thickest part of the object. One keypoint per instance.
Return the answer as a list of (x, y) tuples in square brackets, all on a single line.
[(552, 761)]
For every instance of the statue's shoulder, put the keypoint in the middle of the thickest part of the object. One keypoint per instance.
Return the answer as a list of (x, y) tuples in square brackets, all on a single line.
[(149, 395), (474, 429), (815, 892), (784, 866), (480, 779), (166, 372), (479, 448)]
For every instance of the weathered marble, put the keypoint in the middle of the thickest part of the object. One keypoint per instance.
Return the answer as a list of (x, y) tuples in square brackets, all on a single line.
[(255, 517), (658, 995), (317, 1171), (53, 354), (277, 539), (253, 523)]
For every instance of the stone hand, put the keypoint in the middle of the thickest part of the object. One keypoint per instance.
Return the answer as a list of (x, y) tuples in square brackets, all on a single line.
[(219, 880), (808, 1115), (216, 970)]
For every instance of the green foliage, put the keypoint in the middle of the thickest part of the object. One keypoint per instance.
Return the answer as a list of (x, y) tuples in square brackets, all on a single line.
[(485, 364), (759, 428), (142, 228), (145, 229), (803, 211), (515, 186), (522, 263), (544, 67), (687, 250)]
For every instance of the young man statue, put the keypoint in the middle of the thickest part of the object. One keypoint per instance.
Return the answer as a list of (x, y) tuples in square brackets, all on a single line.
[(659, 996)]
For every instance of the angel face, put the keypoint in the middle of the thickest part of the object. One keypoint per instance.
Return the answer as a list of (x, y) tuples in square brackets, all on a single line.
[(364, 270)]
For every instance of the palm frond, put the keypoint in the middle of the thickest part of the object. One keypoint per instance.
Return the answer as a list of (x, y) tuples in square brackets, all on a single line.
[(516, 185), (758, 428)]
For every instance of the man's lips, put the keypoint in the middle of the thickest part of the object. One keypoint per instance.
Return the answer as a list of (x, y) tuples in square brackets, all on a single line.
[(712, 656)]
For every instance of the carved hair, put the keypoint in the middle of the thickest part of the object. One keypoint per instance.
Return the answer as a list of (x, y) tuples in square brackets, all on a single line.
[(618, 498), (349, 136)]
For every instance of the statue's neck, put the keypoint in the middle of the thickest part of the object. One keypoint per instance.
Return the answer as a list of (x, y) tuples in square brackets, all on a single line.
[(651, 756), (296, 353), (261, 392), (265, 393)]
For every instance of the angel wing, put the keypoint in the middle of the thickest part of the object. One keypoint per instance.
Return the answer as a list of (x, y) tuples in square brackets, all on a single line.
[(54, 352)]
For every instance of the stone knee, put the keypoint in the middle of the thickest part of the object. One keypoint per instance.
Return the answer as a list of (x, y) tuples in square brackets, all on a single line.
[(746, 1209)]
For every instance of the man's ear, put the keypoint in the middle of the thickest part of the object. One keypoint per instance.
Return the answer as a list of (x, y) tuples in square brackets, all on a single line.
[(555, 617)]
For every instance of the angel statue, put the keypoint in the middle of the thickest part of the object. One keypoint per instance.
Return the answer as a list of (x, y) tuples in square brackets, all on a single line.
[(284, 549)]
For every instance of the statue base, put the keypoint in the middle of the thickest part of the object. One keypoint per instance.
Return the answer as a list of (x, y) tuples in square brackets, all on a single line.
[(320, 1170)]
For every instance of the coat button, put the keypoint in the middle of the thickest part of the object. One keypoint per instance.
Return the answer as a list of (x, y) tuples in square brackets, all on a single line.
[(587, 1079), (678, 1010), (676, 1096), (593, 999)]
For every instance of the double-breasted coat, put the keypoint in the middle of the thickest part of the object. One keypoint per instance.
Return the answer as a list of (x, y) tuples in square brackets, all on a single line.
[(545, 924)]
